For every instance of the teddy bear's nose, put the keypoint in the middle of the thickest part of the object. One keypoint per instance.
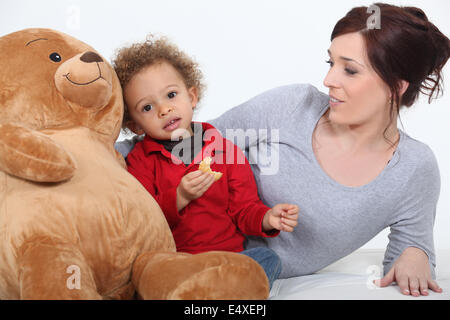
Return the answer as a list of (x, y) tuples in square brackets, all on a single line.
[(90, 56)]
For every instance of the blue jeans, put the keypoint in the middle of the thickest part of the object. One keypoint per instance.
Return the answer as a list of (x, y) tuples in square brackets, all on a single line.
[(269, 261)]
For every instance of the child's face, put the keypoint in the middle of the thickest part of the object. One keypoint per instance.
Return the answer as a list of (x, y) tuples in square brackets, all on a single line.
[(159, 102)]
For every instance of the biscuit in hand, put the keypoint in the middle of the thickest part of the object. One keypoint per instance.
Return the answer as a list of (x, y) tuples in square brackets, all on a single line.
[(205, 167)]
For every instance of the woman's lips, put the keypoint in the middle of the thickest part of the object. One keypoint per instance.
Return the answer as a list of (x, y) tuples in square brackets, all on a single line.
[(335, 102), (172, 125)]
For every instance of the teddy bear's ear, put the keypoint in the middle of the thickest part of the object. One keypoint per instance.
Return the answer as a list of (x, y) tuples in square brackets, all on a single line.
[(33, 156)]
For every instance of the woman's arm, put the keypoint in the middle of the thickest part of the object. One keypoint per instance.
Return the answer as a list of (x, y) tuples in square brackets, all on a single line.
[(125, 146), (247, 124), (409, 259)]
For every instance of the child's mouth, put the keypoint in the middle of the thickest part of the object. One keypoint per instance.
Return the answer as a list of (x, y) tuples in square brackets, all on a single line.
[(172, 124)]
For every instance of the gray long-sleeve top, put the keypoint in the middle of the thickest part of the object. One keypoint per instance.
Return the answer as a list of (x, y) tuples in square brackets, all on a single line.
[(275, 131), (334, 219)]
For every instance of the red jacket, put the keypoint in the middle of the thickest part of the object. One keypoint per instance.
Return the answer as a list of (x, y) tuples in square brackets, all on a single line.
[(218, 219)]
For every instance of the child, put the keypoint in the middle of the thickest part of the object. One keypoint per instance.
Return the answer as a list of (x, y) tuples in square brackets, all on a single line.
[(161, 88)]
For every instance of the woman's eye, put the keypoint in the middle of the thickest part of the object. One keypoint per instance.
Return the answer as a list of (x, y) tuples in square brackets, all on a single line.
[(172, 95), (350, 71), (147, 108), (347, 70)]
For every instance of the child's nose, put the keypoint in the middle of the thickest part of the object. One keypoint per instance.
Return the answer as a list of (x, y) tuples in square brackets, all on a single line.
[(164, 110)]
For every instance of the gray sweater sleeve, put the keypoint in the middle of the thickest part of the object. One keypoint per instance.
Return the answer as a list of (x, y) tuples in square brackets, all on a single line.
[(125, 146), (412, 225), (268, 110)]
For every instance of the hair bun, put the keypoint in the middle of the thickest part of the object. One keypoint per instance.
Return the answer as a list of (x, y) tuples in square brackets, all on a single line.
[(417, 12)]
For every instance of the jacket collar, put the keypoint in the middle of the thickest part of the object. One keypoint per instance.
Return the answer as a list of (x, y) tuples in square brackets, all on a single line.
[(210, 134)]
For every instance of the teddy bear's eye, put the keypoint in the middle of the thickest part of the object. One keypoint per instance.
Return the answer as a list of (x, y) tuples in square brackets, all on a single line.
[(55, 57)]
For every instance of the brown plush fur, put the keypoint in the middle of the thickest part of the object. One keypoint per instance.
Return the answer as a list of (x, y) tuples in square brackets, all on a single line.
[(66, 201)]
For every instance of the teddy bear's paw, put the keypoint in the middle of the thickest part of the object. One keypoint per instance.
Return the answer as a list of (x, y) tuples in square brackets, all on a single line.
[(225, 282), (33, 156), (205, 276)]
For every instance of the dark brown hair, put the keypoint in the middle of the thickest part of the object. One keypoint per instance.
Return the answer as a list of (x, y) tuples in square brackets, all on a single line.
[(407, 46), (132, 59)]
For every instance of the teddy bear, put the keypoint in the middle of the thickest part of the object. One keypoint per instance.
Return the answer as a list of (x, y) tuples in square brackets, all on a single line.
[(74, 224)]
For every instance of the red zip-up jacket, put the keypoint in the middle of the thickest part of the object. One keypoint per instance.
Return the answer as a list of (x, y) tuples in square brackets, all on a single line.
[(218, 219)]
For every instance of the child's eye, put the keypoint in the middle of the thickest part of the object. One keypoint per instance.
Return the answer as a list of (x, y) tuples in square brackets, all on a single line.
[(147, 108), (171, 95)]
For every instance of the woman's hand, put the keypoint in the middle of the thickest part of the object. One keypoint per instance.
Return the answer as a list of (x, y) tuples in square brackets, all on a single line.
[(412, 273), (193, 186), (282, 217)]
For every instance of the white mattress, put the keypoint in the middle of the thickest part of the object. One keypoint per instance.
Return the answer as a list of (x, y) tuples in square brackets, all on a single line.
[(351, 278)]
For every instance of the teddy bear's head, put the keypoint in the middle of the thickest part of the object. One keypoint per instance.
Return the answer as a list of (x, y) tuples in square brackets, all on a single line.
[(51, 80)]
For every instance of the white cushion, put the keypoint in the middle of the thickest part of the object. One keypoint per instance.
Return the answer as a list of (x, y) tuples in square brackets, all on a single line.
[(351, 278)]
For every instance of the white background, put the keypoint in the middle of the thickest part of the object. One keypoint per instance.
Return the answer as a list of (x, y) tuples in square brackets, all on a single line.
[(244, 47)]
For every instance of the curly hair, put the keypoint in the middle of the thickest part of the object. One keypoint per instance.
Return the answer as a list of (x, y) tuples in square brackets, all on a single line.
[(131, 60)]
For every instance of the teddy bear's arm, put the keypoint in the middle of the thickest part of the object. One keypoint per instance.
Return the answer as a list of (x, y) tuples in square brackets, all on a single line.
[(33, 156)]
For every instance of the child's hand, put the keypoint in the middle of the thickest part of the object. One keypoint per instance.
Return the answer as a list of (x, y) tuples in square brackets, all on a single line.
[(282, 217), (193, 186)]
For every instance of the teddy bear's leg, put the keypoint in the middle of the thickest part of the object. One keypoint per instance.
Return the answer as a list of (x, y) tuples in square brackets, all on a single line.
[(210, 275), (52, 269)]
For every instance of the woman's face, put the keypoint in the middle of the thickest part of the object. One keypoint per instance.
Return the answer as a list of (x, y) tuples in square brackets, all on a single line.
[(358, 96)]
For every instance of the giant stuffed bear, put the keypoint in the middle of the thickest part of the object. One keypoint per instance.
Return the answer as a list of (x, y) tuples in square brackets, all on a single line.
[(73, 223)]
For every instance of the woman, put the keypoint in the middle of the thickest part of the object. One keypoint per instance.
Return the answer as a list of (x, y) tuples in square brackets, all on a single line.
[(342, 159)]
